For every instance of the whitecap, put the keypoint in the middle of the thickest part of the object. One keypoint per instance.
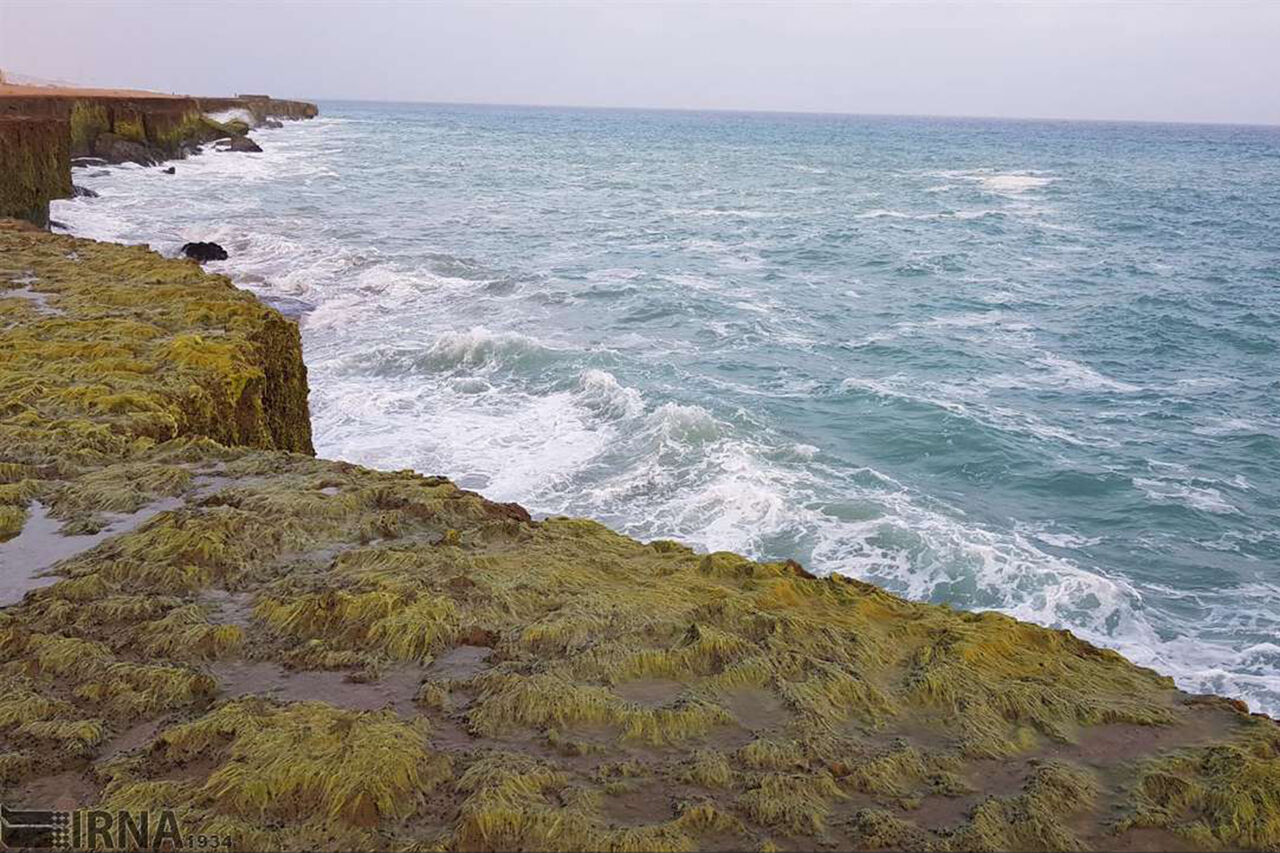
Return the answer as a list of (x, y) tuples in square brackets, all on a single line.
[(1202, 498), (601, 392)]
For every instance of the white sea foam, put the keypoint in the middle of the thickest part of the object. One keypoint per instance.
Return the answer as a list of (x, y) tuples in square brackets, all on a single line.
[(1203, 498), (1057, 372), (1013, 183), (601, 392), (1002, 183), (715, 211), (237, 114)]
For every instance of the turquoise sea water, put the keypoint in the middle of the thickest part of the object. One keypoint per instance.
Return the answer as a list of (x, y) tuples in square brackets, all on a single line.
[(1029, 366)]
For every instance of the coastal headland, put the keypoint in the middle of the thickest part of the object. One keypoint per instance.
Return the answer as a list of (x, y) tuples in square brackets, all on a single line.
[(198, 615), (43, 128)]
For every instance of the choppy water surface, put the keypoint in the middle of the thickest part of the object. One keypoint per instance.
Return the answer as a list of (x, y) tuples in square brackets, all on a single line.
[(1014, 365)]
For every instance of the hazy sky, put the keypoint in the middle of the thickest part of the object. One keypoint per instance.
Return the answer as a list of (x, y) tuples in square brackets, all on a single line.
[(1188, 60)]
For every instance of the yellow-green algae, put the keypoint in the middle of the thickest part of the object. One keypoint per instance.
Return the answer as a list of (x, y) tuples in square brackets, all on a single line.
[(570, 688), (34, 156)]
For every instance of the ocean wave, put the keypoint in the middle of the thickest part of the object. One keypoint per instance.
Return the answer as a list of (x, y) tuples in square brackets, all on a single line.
[(1202, 498), (467, 350), (1059, 373), (601, 392)]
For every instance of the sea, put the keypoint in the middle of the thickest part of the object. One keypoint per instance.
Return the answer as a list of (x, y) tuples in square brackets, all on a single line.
[(1028, 366)]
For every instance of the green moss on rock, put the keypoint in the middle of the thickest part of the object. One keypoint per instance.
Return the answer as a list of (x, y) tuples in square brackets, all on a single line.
[(88, 119), (34, 166), (137, 350)]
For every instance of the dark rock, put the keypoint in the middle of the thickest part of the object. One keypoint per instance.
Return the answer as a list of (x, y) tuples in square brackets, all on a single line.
[(272, 123), (204, 252), (61, 226), (78, 191), (88, 161), (243, 143), (117, 149), (169, 171)]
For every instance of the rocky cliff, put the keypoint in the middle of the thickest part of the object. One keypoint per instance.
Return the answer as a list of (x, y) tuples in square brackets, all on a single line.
[(41, 131), (295, 653), (35, 164)]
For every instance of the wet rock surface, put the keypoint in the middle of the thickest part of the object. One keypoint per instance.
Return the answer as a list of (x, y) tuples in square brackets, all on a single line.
[(204, 251), (116, 149), (237, 143)]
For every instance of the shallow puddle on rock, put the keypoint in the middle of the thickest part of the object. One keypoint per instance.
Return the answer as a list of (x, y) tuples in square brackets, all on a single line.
[(135, 737), (205, 484), (1111, 744), (396, 689), (228, 608), (459, 663), (40, 546), (449, 735), (40, 300), (649, 692), (62, 792), (756, 709), (1145, 840), (643, 805), (939, 812)]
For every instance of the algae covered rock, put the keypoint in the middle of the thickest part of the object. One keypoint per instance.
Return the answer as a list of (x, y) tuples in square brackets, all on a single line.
[(136, 350), (296, 653), (34, 152)]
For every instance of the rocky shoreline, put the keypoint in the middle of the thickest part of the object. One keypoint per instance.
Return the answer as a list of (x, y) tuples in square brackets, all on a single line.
[(296, 653), (42, 134)]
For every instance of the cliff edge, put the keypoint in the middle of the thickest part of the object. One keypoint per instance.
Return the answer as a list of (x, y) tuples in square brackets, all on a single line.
[(295, 653)]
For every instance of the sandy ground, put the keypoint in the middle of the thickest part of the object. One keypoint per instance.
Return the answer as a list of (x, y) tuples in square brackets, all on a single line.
[(19, 90)]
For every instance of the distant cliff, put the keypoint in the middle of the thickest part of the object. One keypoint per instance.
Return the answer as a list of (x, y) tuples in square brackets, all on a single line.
[(41, 130)]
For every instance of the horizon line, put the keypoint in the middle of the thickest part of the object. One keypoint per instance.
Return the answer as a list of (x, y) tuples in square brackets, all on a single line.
[(799, 112)]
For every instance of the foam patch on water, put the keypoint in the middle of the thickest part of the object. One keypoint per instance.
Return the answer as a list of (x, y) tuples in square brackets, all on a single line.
[(1202, 498), (1001, 183)]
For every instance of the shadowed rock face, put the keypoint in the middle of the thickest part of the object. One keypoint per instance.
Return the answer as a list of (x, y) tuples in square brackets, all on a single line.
[(307, 654), (34, 158)]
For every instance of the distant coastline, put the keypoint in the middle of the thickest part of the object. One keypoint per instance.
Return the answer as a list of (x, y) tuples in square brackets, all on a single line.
[(42, 129)]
